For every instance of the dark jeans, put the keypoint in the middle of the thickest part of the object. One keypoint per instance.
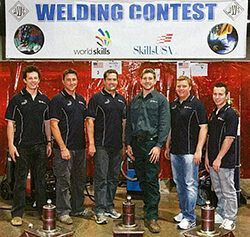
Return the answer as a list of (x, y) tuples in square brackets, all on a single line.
[(70, 182), (147, 174), (33, 158), (107, 169)]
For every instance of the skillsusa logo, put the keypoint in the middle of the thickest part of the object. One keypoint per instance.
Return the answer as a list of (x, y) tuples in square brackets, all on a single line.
[(162, 47), (103, 41)]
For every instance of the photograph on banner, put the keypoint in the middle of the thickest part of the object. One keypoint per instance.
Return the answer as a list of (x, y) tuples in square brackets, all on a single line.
[(99, 67), (106, 30), (199, 69), (223, 38), (183, 68)]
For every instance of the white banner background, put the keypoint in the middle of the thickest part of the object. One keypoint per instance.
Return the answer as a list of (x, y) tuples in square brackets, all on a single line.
[(182, 34)]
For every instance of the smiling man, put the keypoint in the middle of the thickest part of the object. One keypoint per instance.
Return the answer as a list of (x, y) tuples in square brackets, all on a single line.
[(105, 126), (221, 156), (148, 124), (184, 146), (29, 139), (67, 114)]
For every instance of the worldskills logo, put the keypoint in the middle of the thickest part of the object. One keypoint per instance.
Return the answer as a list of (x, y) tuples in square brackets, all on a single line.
[(162, 47), (103, 39)]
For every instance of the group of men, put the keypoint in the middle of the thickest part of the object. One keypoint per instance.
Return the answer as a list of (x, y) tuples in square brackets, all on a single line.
[(142, 127)]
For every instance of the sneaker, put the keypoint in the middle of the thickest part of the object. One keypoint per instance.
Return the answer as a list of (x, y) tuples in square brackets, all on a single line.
[(178, 218), (218, 218), (113, 214), (87, 213), (228, 224), (101, 219), (16, 221), (65, 219), (185, 224)]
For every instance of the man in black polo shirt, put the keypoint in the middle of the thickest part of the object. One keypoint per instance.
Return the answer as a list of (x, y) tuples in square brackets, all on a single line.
[(67, 113), (187, 138), (28, 133), (221, 156), (148, 124), (105, 123)]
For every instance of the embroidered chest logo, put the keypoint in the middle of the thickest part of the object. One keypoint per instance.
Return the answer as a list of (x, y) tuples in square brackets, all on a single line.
[(69, 103), (187, 107), (153, 101)]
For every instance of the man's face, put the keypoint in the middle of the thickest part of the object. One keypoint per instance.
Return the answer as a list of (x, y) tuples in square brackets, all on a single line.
[(219, 96), (183, 89), (70, 82), (32, 80), (148, 81), (111, 82)]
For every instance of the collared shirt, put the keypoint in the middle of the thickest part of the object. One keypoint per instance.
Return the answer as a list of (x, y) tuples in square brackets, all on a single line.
[(70, 112), (108, 113), (222, 124), (29, 116), (185, 120), (149, 115)]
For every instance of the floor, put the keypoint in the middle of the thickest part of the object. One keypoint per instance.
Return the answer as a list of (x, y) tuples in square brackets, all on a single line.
[(168, 208)]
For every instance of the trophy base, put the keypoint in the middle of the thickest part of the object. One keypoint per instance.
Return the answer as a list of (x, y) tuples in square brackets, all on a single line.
[(39, 232), (121, 230), (198, 232)]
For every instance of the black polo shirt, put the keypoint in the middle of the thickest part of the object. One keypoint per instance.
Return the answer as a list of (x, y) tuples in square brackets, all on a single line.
[(148, 115), (108, 113), (29, 116), (222, 124), (70, 112), (185, 120)]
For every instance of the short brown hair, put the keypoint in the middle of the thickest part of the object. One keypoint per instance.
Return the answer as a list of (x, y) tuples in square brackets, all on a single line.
[(185, 78), (221, 84), (148, 70), (109, 71), (31, 68), (69, 71)]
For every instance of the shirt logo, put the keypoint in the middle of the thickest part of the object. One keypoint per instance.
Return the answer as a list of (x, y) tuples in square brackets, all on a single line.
[(220, 118), (107, 101), (120, 101), (174, 107), (69, 103), (24, 102), (153, 101), (42, 102), (187, 107)]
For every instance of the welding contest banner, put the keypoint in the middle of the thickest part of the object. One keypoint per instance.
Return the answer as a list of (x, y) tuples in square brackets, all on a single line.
[(162, 30)]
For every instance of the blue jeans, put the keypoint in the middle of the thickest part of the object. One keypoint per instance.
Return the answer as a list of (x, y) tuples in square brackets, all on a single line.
[(223, 184), (32, 158), (185, 175), (107, 169), (70, 182)]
